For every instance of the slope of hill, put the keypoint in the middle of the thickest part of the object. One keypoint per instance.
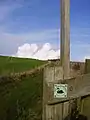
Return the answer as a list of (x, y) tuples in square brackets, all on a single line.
[(14, 65), (21, 95)]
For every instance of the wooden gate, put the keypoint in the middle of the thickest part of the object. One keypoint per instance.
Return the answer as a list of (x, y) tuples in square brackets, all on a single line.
[(74, 109), (56, 106), (77, 88)]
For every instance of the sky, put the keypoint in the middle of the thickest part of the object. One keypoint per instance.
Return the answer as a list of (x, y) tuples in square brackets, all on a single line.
[(31, 28)]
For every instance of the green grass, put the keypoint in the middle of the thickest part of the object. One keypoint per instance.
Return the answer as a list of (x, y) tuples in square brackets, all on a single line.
[(25, 93), (13, 65), (20, 98)]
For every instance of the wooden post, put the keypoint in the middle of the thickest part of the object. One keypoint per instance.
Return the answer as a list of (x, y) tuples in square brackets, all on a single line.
[(65, 38)]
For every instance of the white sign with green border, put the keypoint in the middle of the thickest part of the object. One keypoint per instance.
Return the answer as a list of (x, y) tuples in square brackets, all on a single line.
[(60, 90)]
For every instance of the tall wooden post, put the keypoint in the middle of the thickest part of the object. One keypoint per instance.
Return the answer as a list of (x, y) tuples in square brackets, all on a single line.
[(65, 37), (50, 112)]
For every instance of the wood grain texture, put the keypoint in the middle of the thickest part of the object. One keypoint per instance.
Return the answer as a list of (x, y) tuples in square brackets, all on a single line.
[(65, 37)]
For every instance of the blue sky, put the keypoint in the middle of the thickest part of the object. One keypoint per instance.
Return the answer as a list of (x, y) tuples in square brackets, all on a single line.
[(38, 21)]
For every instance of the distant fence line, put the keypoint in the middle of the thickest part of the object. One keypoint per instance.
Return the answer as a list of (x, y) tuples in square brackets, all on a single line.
[(28, 72), (50, 62)]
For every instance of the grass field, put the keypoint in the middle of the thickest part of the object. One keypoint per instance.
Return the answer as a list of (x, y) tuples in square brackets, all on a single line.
[(14, 65), (20, 98)]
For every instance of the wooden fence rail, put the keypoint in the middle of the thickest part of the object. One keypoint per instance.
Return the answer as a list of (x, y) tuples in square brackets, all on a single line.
[(74, 110)]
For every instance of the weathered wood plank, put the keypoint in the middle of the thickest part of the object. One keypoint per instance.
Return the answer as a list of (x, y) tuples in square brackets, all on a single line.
[(65, 37), (51, 74), (55, 102), (65, 109), (76, 87)]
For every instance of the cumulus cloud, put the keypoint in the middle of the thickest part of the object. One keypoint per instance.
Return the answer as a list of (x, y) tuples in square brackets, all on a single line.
[(44, 52)]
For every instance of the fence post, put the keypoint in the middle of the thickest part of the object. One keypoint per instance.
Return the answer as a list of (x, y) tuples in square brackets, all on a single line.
[(65, 37)]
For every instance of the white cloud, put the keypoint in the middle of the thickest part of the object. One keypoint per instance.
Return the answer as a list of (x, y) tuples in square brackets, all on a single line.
[(13, 41), (34, 51), (79, 49), (46, 51)]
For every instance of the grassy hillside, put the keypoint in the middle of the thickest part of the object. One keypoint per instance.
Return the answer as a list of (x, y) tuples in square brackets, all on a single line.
[(13, 65), (21, 98)]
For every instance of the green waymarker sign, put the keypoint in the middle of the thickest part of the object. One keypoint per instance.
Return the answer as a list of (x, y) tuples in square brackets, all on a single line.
[(60, 90)]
